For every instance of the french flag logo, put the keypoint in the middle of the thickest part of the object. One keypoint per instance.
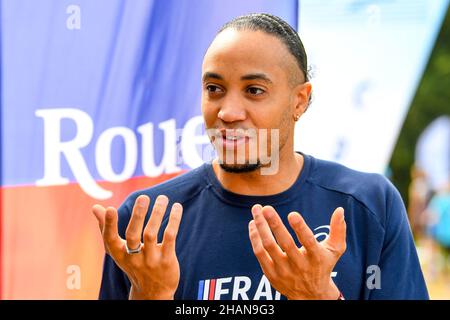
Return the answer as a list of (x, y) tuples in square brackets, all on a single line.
[(206, 289)]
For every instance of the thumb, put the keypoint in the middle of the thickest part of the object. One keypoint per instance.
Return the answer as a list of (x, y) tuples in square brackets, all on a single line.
[(338, 231), (99, 213)]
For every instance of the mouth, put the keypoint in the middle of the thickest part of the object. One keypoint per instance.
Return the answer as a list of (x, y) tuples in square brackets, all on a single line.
[(231, 139)]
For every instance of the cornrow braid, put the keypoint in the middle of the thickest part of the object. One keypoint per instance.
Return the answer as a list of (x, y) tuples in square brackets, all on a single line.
[(276, 26)]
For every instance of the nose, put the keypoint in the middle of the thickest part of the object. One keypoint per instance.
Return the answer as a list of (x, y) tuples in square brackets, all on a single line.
[(232, 110)]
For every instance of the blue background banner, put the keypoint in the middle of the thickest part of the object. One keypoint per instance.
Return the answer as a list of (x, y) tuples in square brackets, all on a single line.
[(92, 93)]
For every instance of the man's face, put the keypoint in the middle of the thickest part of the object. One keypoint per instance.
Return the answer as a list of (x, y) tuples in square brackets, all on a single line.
[(247, 87)]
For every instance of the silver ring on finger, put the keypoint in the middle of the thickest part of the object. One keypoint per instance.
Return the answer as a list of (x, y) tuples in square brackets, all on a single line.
[(134, 251)]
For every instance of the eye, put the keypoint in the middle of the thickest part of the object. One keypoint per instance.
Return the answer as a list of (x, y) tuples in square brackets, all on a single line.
[(255, 91), (213, 89)]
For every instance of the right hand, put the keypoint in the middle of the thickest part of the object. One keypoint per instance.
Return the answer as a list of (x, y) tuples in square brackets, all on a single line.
[(154, 272)]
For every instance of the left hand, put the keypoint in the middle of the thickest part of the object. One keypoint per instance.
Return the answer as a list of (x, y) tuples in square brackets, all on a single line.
[(297, 273)]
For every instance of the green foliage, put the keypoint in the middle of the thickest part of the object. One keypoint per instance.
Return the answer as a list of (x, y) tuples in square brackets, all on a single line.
[(431, 101)]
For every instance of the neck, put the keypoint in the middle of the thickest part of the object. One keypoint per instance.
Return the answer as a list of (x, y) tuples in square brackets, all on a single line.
[(253, 183)]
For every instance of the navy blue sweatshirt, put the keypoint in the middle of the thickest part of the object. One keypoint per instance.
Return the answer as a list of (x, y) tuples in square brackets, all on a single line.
[(215, 253)]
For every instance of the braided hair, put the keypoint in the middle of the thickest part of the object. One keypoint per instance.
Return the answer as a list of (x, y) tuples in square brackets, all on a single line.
[(277, 27)]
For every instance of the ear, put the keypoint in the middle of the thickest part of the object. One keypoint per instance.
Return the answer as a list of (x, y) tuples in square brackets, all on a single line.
[(302, 93)]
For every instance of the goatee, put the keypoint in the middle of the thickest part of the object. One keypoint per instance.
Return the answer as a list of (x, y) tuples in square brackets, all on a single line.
[(241, 168)]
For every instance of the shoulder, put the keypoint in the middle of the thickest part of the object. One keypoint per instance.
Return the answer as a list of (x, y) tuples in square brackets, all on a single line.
[(372, 190)]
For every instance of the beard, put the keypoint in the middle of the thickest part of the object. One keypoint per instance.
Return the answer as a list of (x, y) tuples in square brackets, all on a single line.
[(240, 168), (253, 164)]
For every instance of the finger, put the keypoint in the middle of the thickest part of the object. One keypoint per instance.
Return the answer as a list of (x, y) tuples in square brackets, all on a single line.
[(99, 213), (338, 231), (282, 235), (111, 237), (303, 232), (134, 228), (261, 254), (267, 239), (170, 234), (154, 223)]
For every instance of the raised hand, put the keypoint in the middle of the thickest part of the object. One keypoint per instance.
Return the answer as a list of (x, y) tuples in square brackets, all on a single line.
[(297, 273), (151, 267)]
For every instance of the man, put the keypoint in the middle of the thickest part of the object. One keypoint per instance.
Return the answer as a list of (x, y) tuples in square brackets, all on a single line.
[(235, 232)]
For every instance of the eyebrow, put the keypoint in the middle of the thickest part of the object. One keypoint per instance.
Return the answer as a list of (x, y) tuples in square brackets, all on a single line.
[(211, 75), (250, 76), (257, 76)]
